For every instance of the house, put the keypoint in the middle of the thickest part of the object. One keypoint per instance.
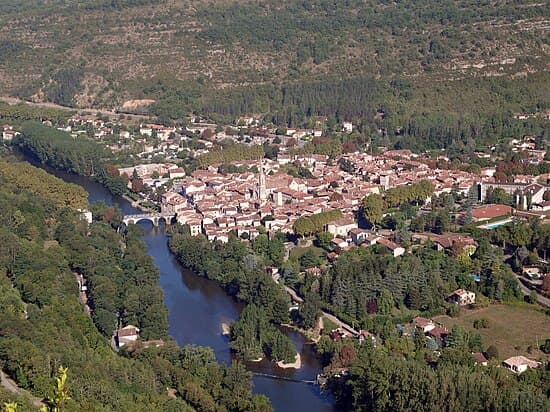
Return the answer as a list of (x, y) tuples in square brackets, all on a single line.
[(479, 359), (488, 212), (341, 227), (338, 243), (195, 226), (313, 271), (9, 134), (462, 297), (347, 127), (543, 206), (519, 364), (127, 334), (176, 173), (359, 236), (392, 246), (425, 324), (338, 334), (273, 272), (458, 244), (532, 272), (439, 335)]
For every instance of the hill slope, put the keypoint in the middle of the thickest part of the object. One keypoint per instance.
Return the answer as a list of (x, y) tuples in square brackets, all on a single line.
[(184, 52)]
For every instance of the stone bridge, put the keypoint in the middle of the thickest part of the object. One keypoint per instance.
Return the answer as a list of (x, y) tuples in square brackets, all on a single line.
[(154, 218)]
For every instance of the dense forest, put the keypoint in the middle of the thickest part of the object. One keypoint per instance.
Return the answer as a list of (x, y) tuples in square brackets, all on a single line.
[(44, 326), (365, 281), (80, 155), (379, 381)]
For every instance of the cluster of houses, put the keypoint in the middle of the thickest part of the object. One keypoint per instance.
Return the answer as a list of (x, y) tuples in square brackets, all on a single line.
[(436, 336), (241, 202), (215, 203), (154, 174)]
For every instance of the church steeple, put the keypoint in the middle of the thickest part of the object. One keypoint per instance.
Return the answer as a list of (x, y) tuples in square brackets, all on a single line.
[(262, 190)]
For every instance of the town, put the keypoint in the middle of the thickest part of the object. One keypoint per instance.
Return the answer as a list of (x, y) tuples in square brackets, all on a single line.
[(247, 180)]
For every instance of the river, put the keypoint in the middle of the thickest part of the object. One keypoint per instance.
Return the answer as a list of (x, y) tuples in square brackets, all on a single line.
[(197, 307)]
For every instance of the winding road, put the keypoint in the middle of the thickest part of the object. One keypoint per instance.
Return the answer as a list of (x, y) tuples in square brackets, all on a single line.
[(541, 300)]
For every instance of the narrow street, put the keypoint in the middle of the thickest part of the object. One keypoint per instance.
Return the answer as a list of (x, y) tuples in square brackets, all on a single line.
[(82, 297)]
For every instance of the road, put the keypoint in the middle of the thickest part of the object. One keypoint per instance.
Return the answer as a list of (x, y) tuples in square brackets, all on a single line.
[(104, 111), (12, 387), (341, 324), (541, 300), (294, 296)]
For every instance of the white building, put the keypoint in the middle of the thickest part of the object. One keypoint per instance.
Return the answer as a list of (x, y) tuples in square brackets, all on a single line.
[(462, 297), (341, 227), (519, 364), (347, 127), (127, 334)]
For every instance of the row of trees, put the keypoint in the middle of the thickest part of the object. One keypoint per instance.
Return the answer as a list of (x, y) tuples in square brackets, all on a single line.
[(61, 151), (374, 205), (231, 153), (253, 337), (315, 223), (22, 176), (19, 113)]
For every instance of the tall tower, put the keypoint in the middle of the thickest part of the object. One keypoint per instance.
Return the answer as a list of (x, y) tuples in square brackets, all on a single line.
[(262, 190)]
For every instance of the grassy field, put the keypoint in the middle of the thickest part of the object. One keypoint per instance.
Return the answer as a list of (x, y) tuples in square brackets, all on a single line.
[(298, 252), (512, 328)]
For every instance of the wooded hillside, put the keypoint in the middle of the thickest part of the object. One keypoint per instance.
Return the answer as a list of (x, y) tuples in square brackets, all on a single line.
[(179, 50)]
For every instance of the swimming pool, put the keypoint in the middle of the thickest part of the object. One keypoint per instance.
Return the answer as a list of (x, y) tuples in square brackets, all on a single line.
[(496, 224)]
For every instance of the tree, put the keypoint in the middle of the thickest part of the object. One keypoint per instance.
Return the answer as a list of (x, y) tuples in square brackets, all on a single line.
[(60, 395), (310, 311), (324, 240), (492, 352), (456, 338), (309, 259), (385, 302), (372, 207), (532, 297)]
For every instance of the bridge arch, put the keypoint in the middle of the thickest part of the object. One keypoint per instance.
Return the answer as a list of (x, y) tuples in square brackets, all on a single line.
[(154, 218)]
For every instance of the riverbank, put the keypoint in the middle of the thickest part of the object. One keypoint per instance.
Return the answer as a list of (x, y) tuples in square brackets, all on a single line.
[(297, 364)]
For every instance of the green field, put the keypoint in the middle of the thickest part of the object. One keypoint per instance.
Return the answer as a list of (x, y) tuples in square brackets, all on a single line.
[(298, 252), (512, 328)]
